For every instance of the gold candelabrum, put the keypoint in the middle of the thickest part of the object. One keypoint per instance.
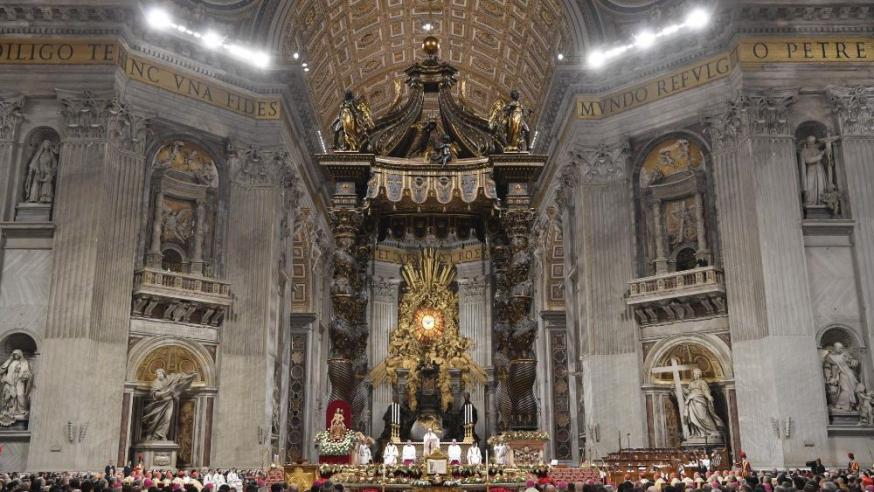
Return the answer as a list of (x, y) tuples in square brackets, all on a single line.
[(395, 433), (468, 433)]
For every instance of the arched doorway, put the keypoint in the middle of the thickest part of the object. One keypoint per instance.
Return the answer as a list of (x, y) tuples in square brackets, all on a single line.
[(188, 441), (677, 360)]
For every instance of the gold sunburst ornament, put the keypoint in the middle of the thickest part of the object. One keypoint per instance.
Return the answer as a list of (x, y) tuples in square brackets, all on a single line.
[(427, 334)]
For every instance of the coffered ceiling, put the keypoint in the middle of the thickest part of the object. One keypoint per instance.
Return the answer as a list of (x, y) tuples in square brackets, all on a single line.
[(365, 45)]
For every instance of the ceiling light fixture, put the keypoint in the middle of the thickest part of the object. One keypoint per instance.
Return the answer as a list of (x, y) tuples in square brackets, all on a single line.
[(560, 56), (159, 19), (696, 20), (212, 40), (296, 55)]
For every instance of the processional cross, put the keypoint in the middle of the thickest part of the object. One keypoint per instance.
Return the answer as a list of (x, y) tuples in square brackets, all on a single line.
[(675, 369)]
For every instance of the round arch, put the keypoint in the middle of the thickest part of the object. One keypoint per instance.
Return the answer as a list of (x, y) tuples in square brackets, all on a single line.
[(710, 346), (824, 336), (184, 355)]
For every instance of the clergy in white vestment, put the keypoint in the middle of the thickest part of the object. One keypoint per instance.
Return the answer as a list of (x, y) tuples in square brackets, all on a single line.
[(474, 455), (364, 456), (430, 443), (390, 454), (502, 452), (454, 453), (409, 454)]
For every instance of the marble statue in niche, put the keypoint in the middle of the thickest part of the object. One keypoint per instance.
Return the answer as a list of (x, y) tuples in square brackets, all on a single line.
[(817, 168), (16, 378), (39, 185), (841, 371), (158, 413), (700, 414)]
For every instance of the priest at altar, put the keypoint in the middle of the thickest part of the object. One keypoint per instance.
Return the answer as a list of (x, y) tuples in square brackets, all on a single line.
[(390, 454), (430, 443)]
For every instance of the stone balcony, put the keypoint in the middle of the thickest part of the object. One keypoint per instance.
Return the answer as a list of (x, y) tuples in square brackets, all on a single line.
[(676, 296), (180, 297)]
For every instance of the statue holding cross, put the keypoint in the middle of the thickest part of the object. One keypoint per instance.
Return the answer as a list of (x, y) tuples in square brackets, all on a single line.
[(698, 415)]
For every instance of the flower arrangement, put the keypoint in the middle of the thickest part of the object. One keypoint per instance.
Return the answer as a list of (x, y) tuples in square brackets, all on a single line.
[(328, 447), (525, 436)]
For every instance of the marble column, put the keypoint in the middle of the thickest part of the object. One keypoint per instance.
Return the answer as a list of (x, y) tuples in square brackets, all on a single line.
[(701, 229), (607, 335), (661, 261), (102, 151), (10, 119), (854, 108), (755, 170), (474, 322), (383, 319)]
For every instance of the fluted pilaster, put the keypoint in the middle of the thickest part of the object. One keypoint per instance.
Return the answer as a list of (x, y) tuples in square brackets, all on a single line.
[(854, 108), (97, 210), (10, 119), (253, 253)]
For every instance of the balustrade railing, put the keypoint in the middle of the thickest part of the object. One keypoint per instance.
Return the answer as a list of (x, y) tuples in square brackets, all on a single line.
[(675, 282), (192, 283)]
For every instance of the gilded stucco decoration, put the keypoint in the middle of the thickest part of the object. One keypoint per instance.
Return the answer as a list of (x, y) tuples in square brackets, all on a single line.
[(671, 157), (172, 359), (427, 335)]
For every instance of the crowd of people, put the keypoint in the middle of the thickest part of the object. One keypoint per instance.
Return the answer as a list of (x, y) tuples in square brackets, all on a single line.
[(743, 479), (132, 479)]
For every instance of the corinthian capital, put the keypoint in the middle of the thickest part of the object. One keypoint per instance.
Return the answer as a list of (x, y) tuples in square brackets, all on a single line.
[(127, 130), (768, 111), (854, 108), (725, 124), (255, 167), (567, 182), (600, 164), (84, 114), (10, 115)]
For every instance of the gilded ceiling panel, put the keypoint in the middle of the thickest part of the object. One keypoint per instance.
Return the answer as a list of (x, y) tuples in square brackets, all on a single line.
[(365, 45)]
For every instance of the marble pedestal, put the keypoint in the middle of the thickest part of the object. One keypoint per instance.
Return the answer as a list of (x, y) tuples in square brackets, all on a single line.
[(818, 212), (33, 212), (157, 454), (701, 442)]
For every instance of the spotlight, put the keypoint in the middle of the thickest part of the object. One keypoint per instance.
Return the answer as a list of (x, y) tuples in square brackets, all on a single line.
[(306, 69), (698, 18), (158, 18), (645, 39), (560, 57), (212, 40), (304, 64), (596, 59), (261, 59), (296, 55), (428, 26)]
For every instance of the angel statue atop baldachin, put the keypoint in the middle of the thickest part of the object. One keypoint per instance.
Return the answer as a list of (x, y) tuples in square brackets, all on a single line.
[(352, 124)]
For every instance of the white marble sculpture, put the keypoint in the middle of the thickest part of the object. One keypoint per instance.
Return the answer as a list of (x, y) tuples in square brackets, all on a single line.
[(841, 371), (817, 169), (700, 416), (158, 413), (866, 405), (39, 185), (15, 377)]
